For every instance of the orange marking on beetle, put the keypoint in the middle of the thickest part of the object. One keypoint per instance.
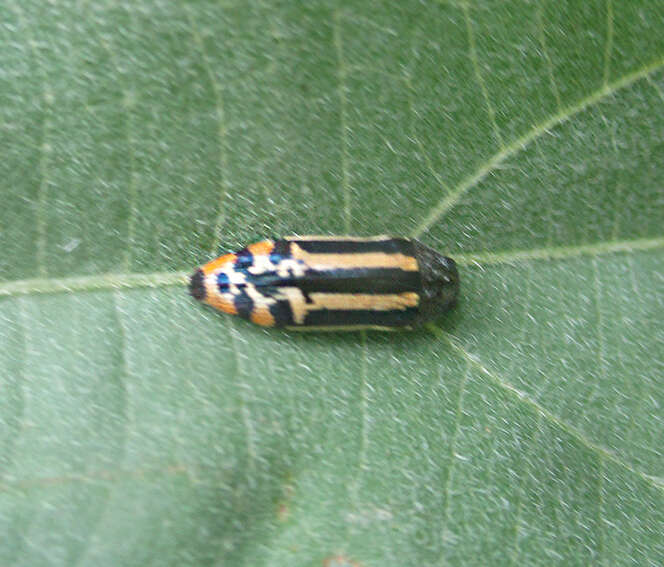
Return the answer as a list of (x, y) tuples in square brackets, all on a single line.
[(218, 263), (261, 316), (261, 248), (218, 301)]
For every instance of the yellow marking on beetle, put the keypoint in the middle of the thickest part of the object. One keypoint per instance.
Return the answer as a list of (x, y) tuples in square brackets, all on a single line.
[(340, 328), (260, 313), (330, 261), (327, 237), (296, 301), (373, 302)]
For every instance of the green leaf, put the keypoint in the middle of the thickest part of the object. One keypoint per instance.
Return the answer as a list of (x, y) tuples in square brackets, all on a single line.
[(141, 138)]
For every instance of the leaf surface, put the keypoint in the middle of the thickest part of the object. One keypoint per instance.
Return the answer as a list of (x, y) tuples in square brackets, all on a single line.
[(140, 139)]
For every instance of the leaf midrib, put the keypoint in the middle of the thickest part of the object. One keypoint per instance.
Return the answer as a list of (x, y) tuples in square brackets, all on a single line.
[(114, 281)]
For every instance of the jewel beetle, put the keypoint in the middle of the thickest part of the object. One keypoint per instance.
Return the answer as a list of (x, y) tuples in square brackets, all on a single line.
[(331, 283)]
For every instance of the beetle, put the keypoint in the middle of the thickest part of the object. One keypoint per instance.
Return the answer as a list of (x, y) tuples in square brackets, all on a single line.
[(331, 283)]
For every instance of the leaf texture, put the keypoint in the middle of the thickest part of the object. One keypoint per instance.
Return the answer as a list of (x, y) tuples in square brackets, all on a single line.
[(526, 139)]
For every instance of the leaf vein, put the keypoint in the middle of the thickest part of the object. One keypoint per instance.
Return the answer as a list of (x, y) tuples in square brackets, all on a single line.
[(547, 57), (99, 282), (601, 348), (82, 552), (221, 128), (516, 547), (608, 47), (108, 475), (48, 99), (478, 75), (341, 77), (655, 86), (638, 386), (10, 448), (244, 407), (520, 143), (600, 509), (128, 102), (452, 459), (425, 154), (364, 415), (556, 253), (571, 430)]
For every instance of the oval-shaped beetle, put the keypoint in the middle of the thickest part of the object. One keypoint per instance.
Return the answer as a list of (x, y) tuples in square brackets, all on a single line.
[(331, 282)]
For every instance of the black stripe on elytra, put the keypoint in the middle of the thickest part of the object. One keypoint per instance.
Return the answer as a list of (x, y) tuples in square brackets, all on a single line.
[(281, 248), (344, 317), (243, 304), (354, 280), (360, 280), (282, 313), (387, 246)]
